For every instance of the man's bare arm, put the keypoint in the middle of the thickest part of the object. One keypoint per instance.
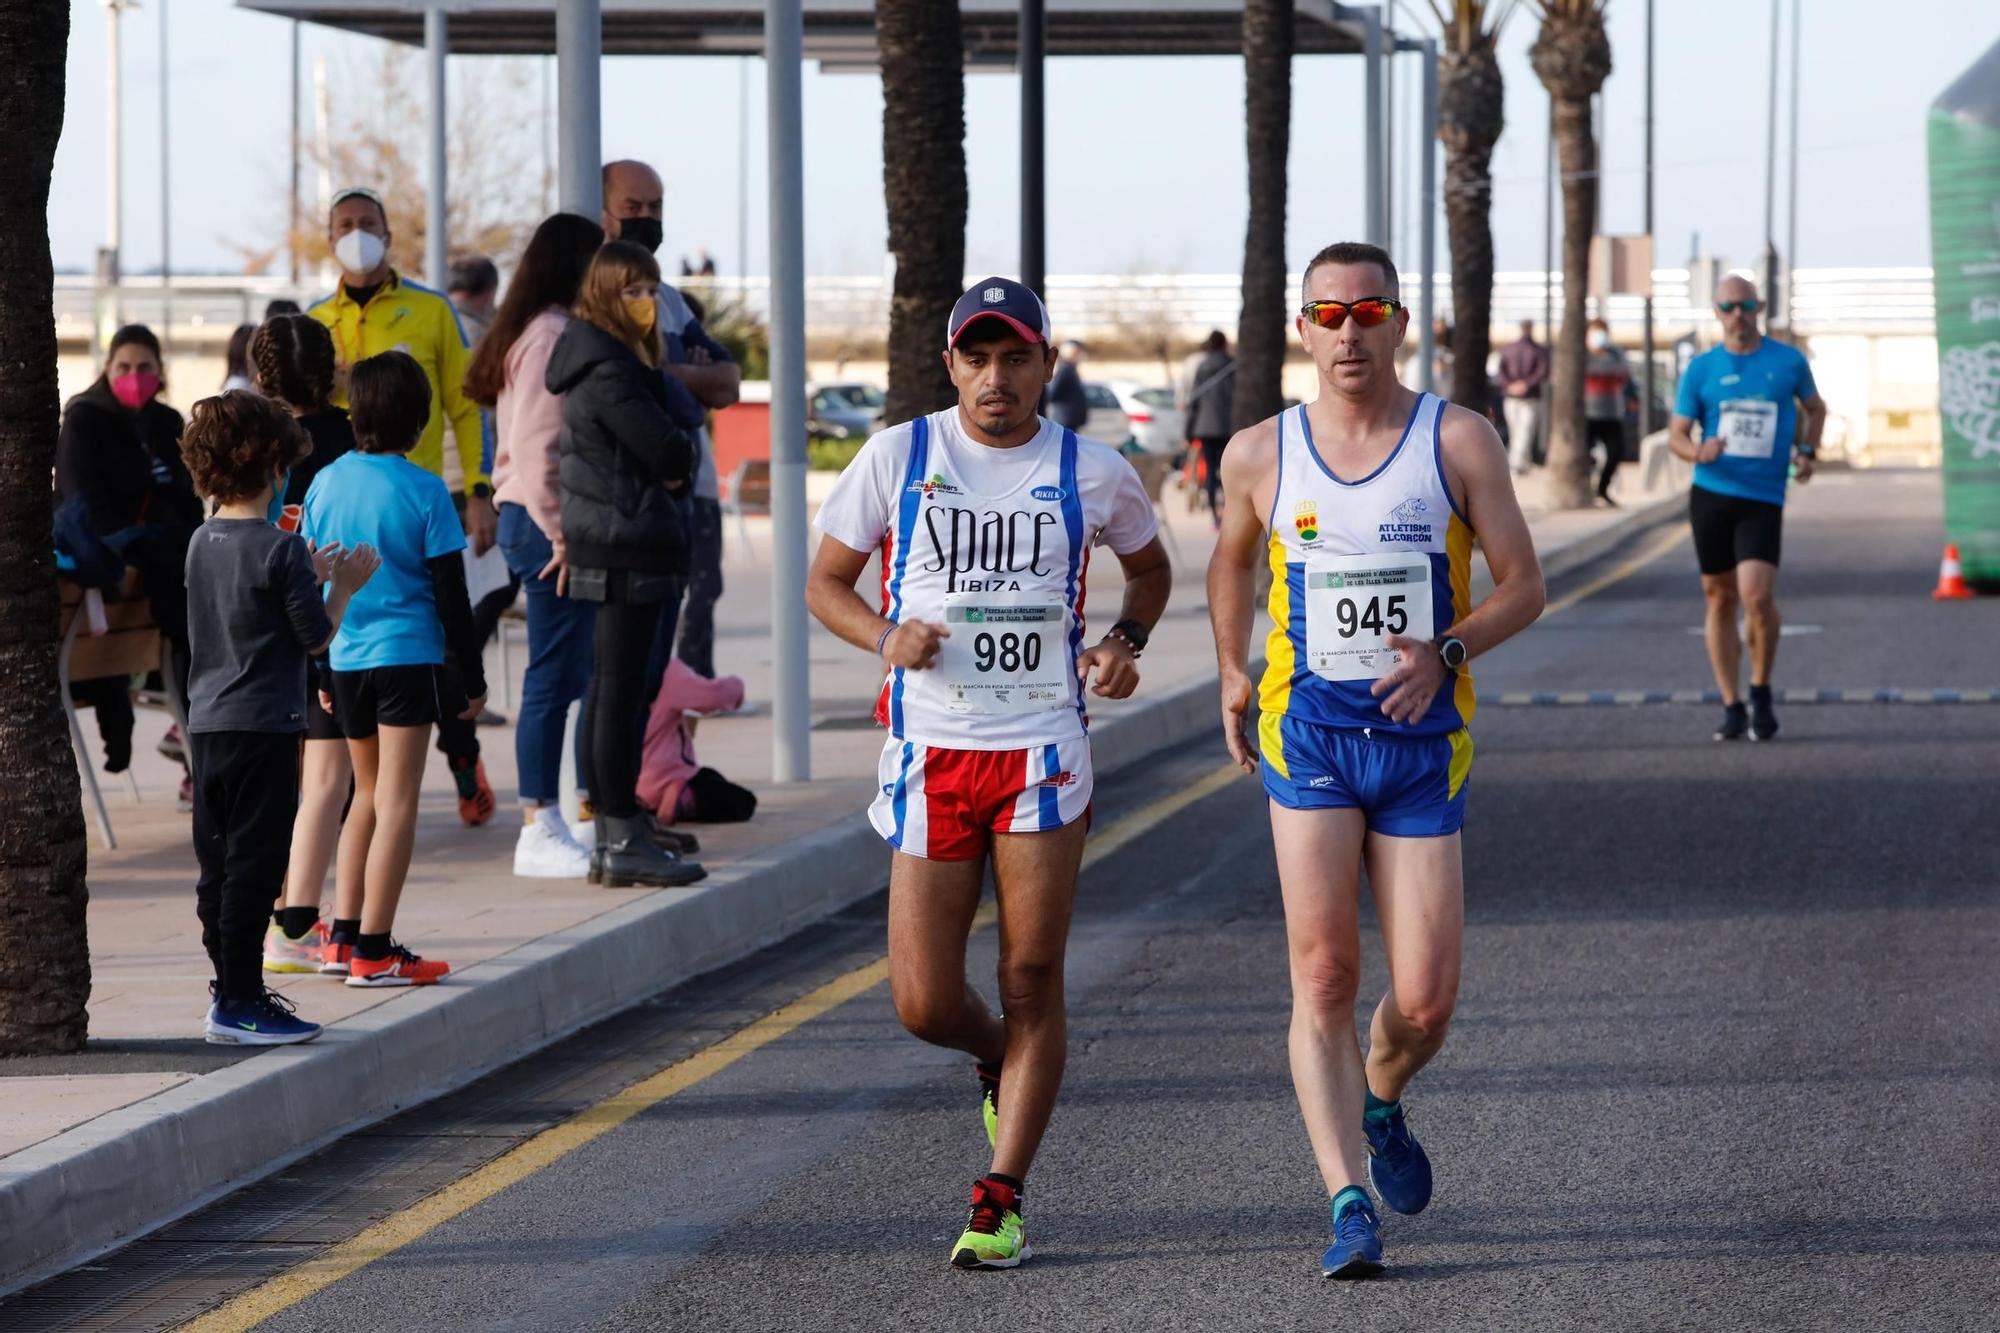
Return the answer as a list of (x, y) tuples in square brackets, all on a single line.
[(715, 385), (830, 596), (1477, 461), (1249, 460)]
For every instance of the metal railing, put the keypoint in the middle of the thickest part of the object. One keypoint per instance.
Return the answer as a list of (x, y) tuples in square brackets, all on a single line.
[(1186, 305)]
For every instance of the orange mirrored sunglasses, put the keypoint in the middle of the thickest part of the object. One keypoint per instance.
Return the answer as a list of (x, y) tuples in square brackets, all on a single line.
[(1368, 311)]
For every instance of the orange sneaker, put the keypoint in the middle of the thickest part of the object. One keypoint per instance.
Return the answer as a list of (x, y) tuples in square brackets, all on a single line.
[(400, 968), (337, 956), (475, 794)]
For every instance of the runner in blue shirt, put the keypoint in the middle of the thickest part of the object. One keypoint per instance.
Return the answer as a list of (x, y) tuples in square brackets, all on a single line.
[(1737, 420)]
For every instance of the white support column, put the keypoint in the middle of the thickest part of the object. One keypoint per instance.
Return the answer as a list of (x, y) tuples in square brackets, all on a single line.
[(1372, 227), (579, 150), (436, 242), (1427, 245), (791, 704)]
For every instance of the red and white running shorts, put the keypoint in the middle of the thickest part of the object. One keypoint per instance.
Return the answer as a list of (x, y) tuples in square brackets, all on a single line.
[(945, 805)]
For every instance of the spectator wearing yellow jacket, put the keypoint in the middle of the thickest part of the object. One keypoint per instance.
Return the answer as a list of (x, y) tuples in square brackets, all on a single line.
[(374, 310)]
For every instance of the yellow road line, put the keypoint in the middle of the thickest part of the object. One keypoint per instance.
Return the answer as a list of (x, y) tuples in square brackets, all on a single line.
[(250, 1308), (1659, 546)]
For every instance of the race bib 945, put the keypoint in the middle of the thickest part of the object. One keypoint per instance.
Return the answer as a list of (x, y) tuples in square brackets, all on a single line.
[(1355, 602)]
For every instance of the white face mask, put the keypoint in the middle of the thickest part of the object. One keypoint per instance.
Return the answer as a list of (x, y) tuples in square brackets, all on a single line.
[(1598, 340), (360, 252)]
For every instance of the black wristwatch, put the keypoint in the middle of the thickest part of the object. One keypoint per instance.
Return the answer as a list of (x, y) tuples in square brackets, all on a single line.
[(1133, 633), (482, 491), (1453, 653)]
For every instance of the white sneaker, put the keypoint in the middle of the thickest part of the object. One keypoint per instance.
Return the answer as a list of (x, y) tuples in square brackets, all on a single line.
[(547, 851)]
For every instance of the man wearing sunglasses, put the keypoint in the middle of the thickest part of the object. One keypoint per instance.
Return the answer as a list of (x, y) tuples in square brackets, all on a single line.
[(1744, 397), (1364, 504)]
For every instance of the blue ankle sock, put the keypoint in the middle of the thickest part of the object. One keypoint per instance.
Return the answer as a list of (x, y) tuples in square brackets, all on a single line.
[(1352, 1194), (1377, 1109)]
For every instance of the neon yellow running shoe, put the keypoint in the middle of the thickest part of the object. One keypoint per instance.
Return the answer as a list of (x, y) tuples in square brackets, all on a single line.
[(989, 1101), (300, 955), (995, 1236)]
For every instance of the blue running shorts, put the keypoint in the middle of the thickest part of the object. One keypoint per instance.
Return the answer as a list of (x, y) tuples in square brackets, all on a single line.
[(1406, 787)]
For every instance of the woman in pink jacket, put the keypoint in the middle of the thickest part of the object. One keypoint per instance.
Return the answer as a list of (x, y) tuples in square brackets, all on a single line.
[(506, 376)]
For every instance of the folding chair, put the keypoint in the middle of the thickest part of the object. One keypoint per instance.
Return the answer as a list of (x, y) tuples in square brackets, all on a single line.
[(100, 639)]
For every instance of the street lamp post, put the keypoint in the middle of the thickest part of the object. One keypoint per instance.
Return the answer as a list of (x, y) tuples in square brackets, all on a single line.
[(1646, 404), (108, 270)]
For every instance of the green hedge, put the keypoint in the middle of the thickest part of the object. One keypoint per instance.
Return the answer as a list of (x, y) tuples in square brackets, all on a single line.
[(829, 455)]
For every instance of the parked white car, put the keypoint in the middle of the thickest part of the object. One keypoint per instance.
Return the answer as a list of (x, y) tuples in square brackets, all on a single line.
[(1158, 427), (1107, 422)]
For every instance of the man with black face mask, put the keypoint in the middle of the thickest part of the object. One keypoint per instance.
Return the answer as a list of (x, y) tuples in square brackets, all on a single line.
[(701, 377)]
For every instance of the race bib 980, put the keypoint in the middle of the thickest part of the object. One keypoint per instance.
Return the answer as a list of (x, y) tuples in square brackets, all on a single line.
[(1008, 652), (1355, 602)]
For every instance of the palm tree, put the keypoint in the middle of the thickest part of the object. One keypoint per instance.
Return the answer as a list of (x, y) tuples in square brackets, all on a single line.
[(923, 185), (44, 952), (1572, 57), (1471, 114), (1267, 117)]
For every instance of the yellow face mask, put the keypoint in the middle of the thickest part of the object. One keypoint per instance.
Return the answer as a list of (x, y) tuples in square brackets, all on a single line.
[(643, 310)]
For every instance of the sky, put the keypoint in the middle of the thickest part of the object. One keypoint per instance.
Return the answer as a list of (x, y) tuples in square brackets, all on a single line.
[(1145, 157)]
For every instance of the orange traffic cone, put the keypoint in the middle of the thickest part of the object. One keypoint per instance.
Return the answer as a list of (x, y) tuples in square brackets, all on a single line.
[(1951, 579)]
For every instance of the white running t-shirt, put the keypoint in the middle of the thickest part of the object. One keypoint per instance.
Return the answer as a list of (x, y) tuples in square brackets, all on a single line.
[(993, 544)]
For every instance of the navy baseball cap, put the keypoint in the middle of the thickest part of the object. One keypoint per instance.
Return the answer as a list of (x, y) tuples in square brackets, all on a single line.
[(1000, 298)]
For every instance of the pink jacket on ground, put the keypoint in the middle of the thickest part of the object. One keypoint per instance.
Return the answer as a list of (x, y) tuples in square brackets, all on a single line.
[(668, 761), (527, 420)]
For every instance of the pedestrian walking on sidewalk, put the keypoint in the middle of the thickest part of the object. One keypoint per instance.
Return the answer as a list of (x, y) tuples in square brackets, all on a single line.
[(625, 464), (507, 376), (984, 515), (1210, 406), (254, 615), (292, 359), (1607, 388), (1364, 708), (1524, 371), (1737, 419), (389, 681)]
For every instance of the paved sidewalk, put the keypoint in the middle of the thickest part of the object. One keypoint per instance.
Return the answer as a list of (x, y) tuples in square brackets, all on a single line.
[(464, 905)]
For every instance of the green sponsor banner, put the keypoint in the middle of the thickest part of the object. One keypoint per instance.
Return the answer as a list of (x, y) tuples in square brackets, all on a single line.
[(1964, 134)]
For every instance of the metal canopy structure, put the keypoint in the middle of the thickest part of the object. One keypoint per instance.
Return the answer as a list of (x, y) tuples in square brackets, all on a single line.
[(838, 33)]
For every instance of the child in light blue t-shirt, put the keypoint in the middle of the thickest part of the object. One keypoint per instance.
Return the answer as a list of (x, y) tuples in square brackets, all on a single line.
[(389, 680)]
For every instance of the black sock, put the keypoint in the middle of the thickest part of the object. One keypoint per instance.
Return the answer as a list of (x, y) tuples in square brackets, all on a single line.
[(1020, 1189), (1760, 695), (296, 921), (346, 931), (374, 948)]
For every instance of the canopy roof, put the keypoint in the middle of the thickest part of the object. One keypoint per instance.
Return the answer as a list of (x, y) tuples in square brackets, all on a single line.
[(838, 33)]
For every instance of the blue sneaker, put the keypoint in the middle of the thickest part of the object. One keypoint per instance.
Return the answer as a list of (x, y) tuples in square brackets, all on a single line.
[(1397, 1166), (1357, 1243), (268, 1020)]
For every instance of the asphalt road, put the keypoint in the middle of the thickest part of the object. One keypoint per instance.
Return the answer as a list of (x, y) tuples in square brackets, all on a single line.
[(1727, 1054)]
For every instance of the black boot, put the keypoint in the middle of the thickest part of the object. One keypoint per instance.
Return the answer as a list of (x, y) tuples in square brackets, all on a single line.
[(630, 857)]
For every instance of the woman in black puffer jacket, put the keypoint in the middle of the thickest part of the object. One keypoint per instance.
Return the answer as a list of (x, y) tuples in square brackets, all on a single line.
[(623, 462)]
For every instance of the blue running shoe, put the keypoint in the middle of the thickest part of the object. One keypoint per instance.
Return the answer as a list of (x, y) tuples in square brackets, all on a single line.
[(268, 1020), (1357, 1243), (1397, 1166)]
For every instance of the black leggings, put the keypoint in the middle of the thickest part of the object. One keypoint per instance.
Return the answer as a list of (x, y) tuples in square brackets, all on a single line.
[(1211, 454), (1610, 434), (614, 713)]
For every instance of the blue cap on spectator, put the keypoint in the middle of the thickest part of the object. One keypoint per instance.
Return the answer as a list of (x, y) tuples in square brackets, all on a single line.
[(1000, 298)]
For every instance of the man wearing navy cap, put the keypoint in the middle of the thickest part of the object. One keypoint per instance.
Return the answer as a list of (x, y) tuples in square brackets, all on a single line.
[(984, 515)]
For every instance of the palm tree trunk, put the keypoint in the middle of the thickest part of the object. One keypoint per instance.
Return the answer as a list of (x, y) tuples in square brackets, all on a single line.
[(923, 185), (1471, 106), (1569, 454), (1267, 116), (44, 951)]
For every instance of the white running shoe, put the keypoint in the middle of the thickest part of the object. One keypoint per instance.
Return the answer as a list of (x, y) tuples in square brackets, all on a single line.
[(547, 851)]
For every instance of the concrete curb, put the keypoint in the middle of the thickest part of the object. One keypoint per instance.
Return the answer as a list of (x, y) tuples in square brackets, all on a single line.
[(99, 1185), (1634, 522)]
